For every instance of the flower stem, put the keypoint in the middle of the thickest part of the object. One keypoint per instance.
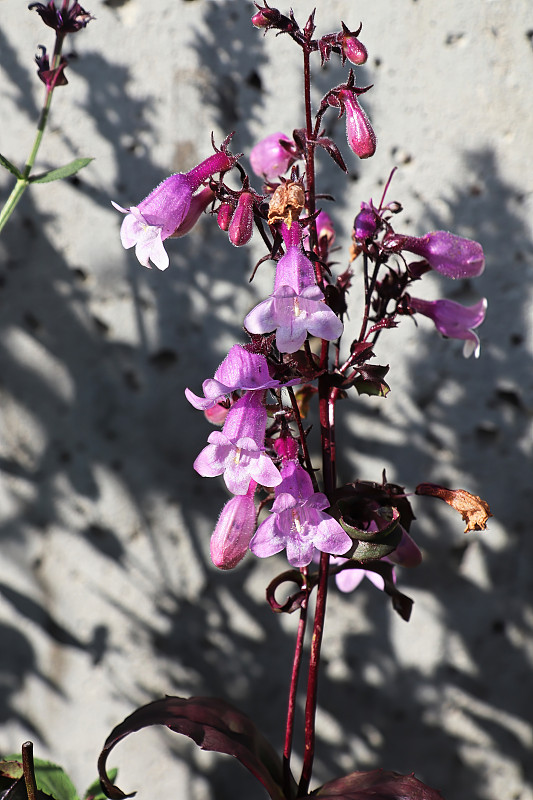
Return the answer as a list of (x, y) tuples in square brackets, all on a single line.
[(23, 183), (291, 707)]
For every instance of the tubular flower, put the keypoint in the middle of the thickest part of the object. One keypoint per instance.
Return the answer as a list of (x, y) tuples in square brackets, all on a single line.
[(237, 452), (269, 159), (298, 522), (359, 131), (454, 320), (239, 370), (161, 214), (234, 529), (296, 307), (451, 255)]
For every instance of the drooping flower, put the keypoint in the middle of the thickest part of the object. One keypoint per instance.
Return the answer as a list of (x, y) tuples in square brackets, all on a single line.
[(297, 521), (237, 452), (234, 530), (359, 131), (161, 214), (240, 370), (454, 320), (451, 255), (269, 158), (296, 307)]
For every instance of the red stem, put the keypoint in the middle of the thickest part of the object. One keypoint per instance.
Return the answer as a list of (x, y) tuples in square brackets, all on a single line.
[(291, 707)]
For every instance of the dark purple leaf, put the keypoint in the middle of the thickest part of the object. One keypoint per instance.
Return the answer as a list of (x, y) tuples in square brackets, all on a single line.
[(377, 784), (331, 148), (214, 725)]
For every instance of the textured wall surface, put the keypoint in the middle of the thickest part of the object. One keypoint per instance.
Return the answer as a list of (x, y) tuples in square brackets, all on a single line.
[(107, 595)]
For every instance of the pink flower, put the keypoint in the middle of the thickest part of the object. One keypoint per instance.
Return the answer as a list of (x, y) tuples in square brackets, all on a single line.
[(238, 451), (454, 320), (451, 255), (234, 529), (349, 579), (161, 214), (298, 523), (296, 307), (359, 131), (239, 370), (269, 158)]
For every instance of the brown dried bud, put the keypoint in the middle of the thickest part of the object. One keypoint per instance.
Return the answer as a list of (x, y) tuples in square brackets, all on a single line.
[(474, 511), (286, 203)]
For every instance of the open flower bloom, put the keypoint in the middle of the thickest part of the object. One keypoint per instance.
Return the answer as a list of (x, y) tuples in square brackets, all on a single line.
[(269, 158), (454, 320), (237, 452), (296, 307), (451, 255), (234, 529), (161, 214), (239, 370), (298, 522)]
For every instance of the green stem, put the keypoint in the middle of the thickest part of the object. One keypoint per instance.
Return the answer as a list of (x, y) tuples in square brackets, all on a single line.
[(23, 183)]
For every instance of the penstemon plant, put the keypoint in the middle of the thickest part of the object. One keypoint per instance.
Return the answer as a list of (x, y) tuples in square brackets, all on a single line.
[(296, 353)]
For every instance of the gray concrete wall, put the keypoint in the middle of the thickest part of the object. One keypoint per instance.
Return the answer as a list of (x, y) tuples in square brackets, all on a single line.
[(107, 595)]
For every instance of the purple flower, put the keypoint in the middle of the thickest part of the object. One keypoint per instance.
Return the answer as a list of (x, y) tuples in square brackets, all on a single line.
[(269, 158), (296, 307), (161, 214), (454, 320), (451, 255), (234, 529), (237, 452), (349, 579), (239, 370), (298, 522)]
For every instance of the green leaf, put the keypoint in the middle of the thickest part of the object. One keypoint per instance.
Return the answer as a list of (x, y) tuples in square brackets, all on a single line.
[(49, 777), (94, 791), (61, 172), (5, 162)]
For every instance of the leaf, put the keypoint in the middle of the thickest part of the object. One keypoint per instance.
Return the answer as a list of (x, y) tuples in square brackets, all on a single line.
[(5, 162), (377, 784), (370, 380), (331, 148), (49, 778), (214, 725), (61, 172), (94, 791)]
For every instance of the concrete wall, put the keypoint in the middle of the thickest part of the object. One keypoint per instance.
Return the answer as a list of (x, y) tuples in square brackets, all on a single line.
[(107, 595)]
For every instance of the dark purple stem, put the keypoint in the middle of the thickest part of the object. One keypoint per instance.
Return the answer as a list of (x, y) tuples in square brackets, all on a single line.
[(291, 708)]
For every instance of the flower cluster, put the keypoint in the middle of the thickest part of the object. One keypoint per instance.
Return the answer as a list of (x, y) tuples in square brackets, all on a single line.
[(261, 451)]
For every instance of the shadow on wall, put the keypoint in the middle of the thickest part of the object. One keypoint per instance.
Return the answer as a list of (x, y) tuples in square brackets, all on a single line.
[(124, 410)]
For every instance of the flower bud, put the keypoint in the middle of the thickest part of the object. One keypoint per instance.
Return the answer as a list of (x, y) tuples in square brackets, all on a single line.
[(324, 228), (352, 48), (269, 158), (234, 530), (449, 254), (225, 213), (241, 226), (359, 132), (286, 447), (366, 222)]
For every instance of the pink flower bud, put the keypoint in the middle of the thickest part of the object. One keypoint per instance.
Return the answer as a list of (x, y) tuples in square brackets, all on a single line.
[(324, 228), (234, 530), (359, 132), (241, 226), (352, 48), (225, 213), (269, 159)]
